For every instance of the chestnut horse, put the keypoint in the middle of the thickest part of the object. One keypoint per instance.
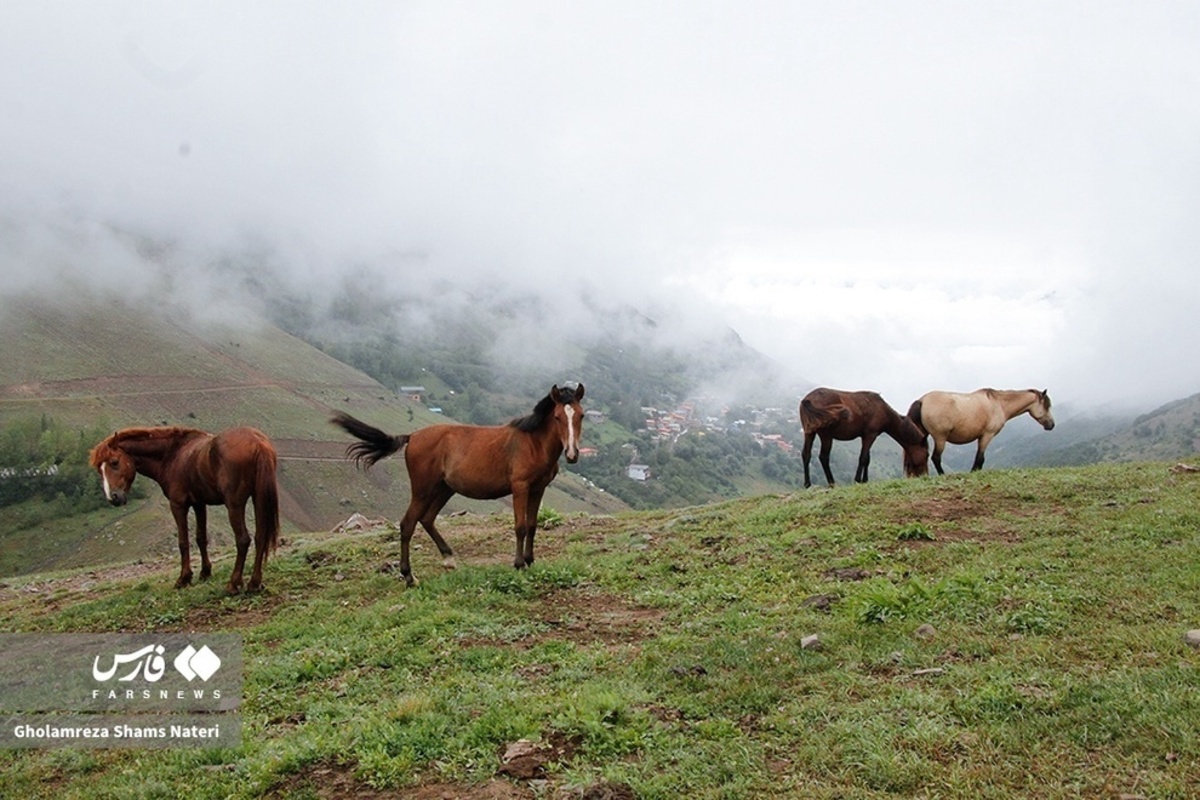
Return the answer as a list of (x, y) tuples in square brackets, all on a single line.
[(196, 470), (833, 414), (961, 418), (480, 462)]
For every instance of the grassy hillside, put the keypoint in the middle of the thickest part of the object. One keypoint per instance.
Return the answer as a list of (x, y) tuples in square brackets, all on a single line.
[(1015, 633), (109, 366)]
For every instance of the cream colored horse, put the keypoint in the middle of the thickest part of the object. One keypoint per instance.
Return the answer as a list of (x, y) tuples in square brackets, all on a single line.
[(961, 418)]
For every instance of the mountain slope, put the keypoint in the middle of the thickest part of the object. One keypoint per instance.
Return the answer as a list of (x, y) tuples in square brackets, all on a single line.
[(108, 365)]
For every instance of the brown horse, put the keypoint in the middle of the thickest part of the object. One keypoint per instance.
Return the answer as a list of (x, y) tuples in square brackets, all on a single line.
[(833, 414), (961, 418), (484, 463), (196, 470)]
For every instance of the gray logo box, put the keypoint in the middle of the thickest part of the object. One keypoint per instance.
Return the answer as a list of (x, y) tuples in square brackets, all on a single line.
[(120, 690)]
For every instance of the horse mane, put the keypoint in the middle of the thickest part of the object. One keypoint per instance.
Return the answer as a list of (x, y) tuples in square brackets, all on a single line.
[(536, 418), (130, 435), (994, 393)]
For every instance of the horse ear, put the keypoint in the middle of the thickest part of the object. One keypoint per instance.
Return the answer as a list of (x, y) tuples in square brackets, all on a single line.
[(554, 393), (579, 391)]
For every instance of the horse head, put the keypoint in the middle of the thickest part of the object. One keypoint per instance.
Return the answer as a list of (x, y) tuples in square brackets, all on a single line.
[(116, 469), (568, 419), (915, 444), (1040, 410)]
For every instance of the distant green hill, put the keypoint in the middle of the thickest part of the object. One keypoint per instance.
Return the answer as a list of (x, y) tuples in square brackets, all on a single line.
[(103, 366)]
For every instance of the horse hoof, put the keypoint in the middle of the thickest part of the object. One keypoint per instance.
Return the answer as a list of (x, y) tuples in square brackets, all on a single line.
[(205, 574), (411, 582), (232, 590), (449, 563), (184, 580)]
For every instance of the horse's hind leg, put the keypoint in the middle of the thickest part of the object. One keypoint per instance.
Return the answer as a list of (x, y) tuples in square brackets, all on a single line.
[(202, 540), (237, 521), (407, 526), (823, 457), (936, 456), (806, 454), (180, 512)]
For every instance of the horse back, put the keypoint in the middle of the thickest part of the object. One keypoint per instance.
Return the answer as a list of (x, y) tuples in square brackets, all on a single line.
[(473, 460), (957, 417), (228, 467), (844, 415)]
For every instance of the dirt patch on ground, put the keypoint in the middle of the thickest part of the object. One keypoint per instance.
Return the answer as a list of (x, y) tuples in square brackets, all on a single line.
[(588, 616), (953, 508), (332, 781), (955, 518), (583, 616), (338, 782)]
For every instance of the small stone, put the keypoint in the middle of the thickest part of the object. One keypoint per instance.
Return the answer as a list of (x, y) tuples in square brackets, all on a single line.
[(1192, 637), (811, 642), (926, 631), (931, 671)]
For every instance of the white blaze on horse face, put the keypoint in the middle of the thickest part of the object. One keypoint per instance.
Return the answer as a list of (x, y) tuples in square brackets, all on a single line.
[(572, 446), (104, 478)]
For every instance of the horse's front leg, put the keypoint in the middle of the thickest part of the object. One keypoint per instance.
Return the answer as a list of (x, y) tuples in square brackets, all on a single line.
[(521, 497), (202, 539), (237, 521), (823, 457), (531, 520), (180, 512)]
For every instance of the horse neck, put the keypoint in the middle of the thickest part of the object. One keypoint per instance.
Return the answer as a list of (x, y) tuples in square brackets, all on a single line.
[(547, 438), (1015, 401), (901, 428), (151, 453)]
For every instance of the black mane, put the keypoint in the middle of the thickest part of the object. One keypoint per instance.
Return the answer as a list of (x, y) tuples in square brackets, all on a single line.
[(534, 420)]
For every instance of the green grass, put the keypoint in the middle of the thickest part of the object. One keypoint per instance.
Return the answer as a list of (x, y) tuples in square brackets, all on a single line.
[(666, 648)]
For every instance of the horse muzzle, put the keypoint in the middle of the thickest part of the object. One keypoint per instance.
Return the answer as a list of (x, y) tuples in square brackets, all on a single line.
[(1048, 424), (117, 499), (572, 456)]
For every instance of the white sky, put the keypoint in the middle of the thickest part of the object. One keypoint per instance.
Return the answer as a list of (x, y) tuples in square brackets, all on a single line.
[(893, 196)]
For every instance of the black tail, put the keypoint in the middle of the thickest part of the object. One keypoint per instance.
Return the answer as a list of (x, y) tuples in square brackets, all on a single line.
[(374, 444), (914, 413)]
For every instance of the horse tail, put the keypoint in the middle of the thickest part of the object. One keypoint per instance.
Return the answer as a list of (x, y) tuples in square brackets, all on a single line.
[(374, 444), (813, 416), (914, 413), (266, 502)]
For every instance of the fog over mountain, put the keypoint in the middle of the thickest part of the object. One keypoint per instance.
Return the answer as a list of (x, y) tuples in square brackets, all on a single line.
[(894, 197)]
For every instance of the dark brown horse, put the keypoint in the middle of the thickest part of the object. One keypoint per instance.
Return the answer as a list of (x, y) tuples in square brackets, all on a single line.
[(196, 470), (833, 414), (484, 463), (961, 418)]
